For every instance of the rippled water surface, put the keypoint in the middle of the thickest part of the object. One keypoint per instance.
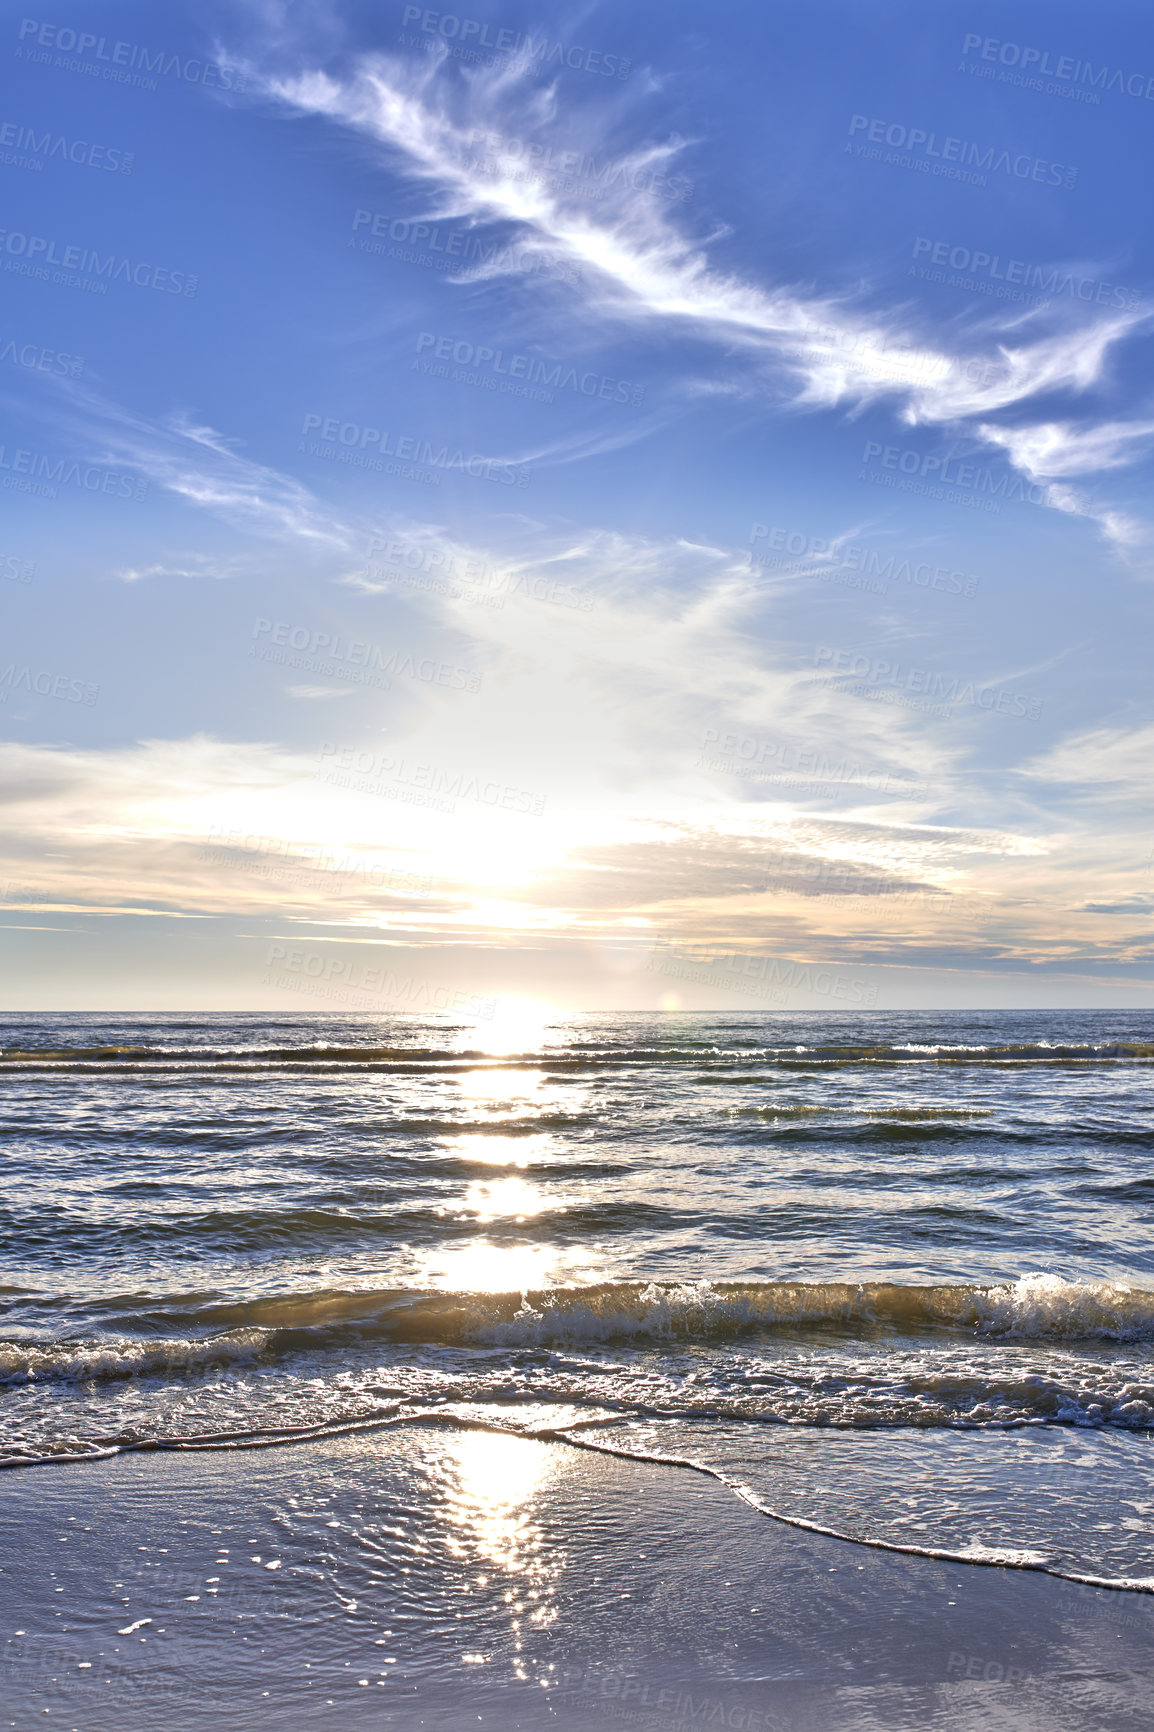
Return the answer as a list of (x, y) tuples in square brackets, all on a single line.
[(888, 1275)]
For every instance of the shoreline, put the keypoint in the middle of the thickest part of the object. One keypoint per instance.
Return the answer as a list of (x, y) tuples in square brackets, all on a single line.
[(445, 1578)]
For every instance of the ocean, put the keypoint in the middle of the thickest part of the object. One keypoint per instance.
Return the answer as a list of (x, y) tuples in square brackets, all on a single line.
[(888, 1277)]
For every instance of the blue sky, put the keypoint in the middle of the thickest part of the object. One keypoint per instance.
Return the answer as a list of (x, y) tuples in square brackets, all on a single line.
[(620, 507)]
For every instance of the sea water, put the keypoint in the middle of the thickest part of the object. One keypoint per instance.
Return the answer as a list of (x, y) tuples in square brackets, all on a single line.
[(886, 1276)]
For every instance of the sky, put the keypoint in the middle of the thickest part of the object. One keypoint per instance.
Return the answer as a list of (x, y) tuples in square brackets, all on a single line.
[(617, 507)]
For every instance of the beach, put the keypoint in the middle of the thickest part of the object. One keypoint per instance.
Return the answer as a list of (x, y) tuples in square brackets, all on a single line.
[(576, 1023), (438, 1577)]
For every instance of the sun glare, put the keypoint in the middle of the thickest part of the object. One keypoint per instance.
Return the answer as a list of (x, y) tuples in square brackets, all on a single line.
[(516, 1025), (494, 1471), (499, 1084), (503, 1151), (486, 1268), (504, 1199)]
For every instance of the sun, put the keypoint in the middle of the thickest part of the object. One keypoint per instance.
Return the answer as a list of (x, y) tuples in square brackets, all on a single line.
[(516, 1025)]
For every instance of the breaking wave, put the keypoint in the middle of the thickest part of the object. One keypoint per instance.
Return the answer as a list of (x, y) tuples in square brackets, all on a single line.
[(80, 1361), (1042, 1308)]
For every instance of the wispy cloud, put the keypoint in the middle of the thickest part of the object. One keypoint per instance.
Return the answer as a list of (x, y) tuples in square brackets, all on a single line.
[(196, 463), (1102, 764), (192, 565), (1051, 449), (319, 693), (642, 267)]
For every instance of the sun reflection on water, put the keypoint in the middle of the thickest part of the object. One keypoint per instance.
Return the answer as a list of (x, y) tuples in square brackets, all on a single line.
[(486, 1266), (505, 1199), (490, 1485), (500, 1085), (517, 1025), (502, 1151), (483, 1267), (495, 1478)]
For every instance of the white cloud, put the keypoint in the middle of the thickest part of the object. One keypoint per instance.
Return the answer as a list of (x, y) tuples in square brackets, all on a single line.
[(1049, 449), (198, 464), (641, 266), (194, 565), (1103, 764), (320, 692)]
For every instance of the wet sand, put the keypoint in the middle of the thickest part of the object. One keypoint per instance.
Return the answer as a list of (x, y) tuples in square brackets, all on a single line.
[(434, 1577)]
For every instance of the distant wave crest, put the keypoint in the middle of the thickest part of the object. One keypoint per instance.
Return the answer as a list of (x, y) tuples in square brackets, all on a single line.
[(571, 1057)]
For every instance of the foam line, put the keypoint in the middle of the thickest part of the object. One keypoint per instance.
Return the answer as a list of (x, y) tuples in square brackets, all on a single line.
[(223, 1441)]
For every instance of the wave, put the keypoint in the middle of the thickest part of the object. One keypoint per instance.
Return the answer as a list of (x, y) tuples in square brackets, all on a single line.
[(999, 1557), (861, 1397), (901, 1115), (80, 1361), (1035, 1308), (321, 1057), (1042, 1308)]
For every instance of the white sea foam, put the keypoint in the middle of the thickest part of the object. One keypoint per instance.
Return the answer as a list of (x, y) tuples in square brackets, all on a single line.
[(1048, 1308), (76, 1362), (1036, 1307)]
